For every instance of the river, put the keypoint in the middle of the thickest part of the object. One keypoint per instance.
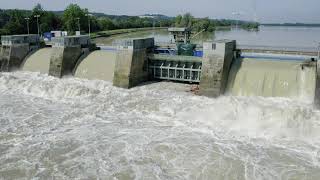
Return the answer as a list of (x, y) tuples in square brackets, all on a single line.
[(296, 37), (85, 129), (74, 128)]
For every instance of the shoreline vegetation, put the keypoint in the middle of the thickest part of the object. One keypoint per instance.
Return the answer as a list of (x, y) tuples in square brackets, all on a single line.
[(109, 33), (14, 21), (210, 25)]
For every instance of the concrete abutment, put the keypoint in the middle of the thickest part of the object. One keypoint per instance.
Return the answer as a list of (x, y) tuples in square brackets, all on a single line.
[(216, 63), (15, 48), (131, 63), (63, 59), (66, 51)]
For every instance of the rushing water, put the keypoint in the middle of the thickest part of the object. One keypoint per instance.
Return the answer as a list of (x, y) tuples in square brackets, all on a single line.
[(73, 128), (301, 37), (80, 129)]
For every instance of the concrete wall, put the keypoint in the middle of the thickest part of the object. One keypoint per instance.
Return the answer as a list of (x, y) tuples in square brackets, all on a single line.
[(15, 48), (216, 64), (131, 64), (63, 60), (13, 56)]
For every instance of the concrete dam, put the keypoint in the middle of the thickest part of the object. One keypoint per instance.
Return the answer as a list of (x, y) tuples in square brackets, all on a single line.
[(221, 70)]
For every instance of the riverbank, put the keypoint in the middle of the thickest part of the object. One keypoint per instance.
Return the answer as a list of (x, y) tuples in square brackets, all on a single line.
[(122, 31)]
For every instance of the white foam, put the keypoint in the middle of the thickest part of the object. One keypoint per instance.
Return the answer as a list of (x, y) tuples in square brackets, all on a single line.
[(73, 128)]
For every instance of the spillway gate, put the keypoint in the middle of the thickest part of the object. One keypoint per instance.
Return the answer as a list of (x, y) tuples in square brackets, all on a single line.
[(175, 68)]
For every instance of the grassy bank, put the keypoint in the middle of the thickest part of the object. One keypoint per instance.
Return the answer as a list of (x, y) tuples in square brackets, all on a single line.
[(122, 31)]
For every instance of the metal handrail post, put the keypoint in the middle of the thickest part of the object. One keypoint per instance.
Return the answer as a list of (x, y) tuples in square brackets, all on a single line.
[(319, 51)]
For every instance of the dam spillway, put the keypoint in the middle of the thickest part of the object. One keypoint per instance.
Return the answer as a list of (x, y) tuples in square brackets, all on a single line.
[(73, 128), (39, 61), (272, 78), (97, 65), (220, 71)]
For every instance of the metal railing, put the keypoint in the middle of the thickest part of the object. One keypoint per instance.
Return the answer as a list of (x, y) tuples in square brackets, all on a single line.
[(124, 42), (176, 73), (277, 48)]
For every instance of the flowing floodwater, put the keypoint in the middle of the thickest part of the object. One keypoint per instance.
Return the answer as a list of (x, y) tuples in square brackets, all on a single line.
[(73, 128), (86, 129)]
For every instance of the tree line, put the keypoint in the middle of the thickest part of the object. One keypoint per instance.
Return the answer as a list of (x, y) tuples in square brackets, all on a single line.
[(206, 24), (15, 21)]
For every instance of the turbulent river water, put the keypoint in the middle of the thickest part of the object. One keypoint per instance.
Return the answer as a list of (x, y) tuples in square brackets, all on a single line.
[(79, 129)]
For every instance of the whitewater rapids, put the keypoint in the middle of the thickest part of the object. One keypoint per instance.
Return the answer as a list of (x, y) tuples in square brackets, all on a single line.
[(85, 129)]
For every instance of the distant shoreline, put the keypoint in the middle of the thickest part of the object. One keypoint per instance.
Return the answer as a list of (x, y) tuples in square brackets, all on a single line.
[(292, 25)]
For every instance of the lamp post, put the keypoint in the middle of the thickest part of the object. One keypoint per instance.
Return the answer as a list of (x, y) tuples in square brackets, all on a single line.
[(27, 19), (37, 16), (89, 25), (79, 25), (319, 51)]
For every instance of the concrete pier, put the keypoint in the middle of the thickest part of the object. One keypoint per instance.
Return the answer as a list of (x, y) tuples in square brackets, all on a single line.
[(15, 48), (65, 53), (131, 63), (216, 65)]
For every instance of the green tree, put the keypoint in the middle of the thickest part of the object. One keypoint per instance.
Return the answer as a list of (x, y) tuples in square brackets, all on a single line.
[(4, 18), (147, 22), (187, 20), (184, 21), (94, 24), (70, 18), (37, 10), (16, 24), (48, 21), (178, 20), (202, 24), (106, 23)]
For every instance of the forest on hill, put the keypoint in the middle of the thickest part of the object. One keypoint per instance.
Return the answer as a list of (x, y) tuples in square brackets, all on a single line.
[(14, 21)]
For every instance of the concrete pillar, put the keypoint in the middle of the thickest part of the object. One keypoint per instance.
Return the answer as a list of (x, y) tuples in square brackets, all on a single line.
[(131, 63), (63, 60), (65, 53), (216, 64), (15, 48)]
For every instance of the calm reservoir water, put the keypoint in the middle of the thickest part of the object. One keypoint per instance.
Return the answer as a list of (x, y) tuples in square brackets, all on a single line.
[(303, 37), (74, 128)]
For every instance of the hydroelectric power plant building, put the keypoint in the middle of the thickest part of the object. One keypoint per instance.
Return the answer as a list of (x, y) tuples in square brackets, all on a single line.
[(221, 70)]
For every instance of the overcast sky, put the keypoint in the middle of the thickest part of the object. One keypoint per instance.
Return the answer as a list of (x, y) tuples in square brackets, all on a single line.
[(266, 10)]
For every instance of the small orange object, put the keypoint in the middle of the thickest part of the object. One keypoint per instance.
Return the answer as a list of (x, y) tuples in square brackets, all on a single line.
[(194, 89)]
